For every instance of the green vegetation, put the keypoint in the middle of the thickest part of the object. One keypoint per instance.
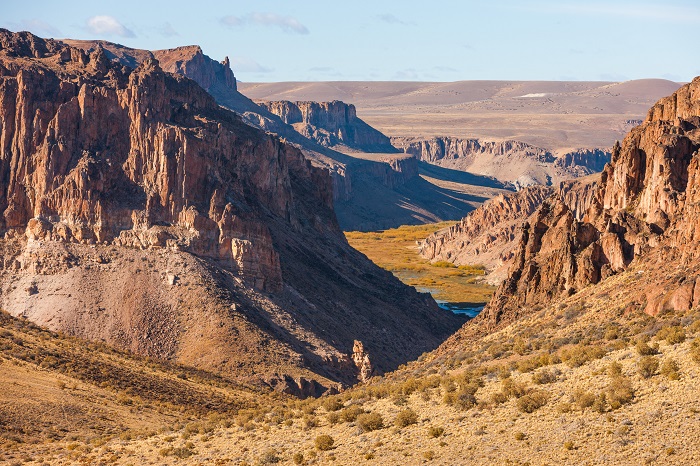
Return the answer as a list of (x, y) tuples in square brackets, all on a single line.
[(370, 421), (324, 442), (396, 250)]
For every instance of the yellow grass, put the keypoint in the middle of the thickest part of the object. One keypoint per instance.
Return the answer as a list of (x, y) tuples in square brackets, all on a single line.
[(396, 250)]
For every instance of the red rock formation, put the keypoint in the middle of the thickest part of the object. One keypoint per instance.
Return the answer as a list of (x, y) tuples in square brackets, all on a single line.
[(115, 181), (644, 211)]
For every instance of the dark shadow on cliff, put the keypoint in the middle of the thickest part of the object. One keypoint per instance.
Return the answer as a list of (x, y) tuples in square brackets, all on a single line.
[(458, 176)]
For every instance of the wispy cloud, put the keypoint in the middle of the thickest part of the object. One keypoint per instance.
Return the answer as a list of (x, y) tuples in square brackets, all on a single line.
[(393, 19), (167, 30), (248, 65), (108, 25), (288, 24)]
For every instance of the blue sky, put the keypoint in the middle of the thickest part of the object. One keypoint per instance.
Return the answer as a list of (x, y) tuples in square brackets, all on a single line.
[(436, 40)]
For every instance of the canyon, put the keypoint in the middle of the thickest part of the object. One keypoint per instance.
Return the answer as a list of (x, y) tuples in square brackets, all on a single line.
[(139, 212)]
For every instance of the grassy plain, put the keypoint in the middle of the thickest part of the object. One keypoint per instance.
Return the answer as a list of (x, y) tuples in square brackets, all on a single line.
[(396, 250)]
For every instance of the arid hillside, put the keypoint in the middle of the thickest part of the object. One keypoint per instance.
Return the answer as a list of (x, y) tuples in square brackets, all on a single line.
[(138, 212)]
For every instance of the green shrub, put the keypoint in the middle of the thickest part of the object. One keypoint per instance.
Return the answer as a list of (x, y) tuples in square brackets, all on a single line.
[(435, 432), (370, 421), (532, 401), (584, 399), (643, 349), (544, 376), (647, 366), (406, 418), (350, 413), (580, 354), (672, 335), (619, 392), (670, 369), (324, 442), (332, 404)]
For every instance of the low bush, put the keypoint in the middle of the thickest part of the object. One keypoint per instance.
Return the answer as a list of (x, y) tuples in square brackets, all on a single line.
[(580, 354), (435, 431), (544, 376), (532, 401), (370, 421), (513, 389), (332, 404), (672, 335), (619, 392), (670, 369), (324, 442), (583, 399), (406, 418), (350, 413), (647, 366), (643, 348)]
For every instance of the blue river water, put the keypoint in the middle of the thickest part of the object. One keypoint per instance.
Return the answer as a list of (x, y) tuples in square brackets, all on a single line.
[(470, 310)]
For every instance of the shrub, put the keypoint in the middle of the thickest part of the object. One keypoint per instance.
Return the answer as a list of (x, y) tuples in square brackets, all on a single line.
[(324, 442), (350, 413), (429, 455), (511, 388), (499, 398), (332, 404), (532, 401), (406, 418), (465, 398), (584, 399), (614, 369), (695, 350), (370, 421), (544, 376), (520, 436), (269, 457), (298, 458), (647, 366), (333, 418), (643, 349), (435, 432), (670, 369), (579, 355), (619, 392), (672, 335)]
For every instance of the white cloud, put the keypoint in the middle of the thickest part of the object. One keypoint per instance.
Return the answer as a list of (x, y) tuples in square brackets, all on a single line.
[(39, 27), (108, 25), (288, 24)]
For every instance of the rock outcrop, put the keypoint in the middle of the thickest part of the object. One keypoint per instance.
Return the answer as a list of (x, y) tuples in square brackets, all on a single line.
[(142, 213), (360, 358), (509, 161), (643, 212), (330, 124)]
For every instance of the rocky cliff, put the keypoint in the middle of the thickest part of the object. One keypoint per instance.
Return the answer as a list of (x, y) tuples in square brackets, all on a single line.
[(138, 211), (643, 213), (510, 161), (330, 124)]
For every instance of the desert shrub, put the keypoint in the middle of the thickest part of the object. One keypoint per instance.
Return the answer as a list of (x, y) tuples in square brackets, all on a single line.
[(695, 350), (612, 333), (298, 458), (647, 366), (443, 264), (583, 399), (182, 452), (406, 418), (670, 369), (435, 431), (532, 401), (309, 422), (333, 418), (569, 445), (520, 346), (520, 436), (465, 398), (619, 392), (672, 335), (544, 376), (643, 348), (499, 398), (324, 442), (370, 421), (580, 354), (614, 369), (350, 413), (513, 389), (429, 455), (600, 403), (269, 457), (332, 404)]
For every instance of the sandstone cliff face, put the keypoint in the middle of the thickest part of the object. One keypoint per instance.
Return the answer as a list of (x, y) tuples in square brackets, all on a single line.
[(512, 161), (330, 124), (140, 212), (643, 212)]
